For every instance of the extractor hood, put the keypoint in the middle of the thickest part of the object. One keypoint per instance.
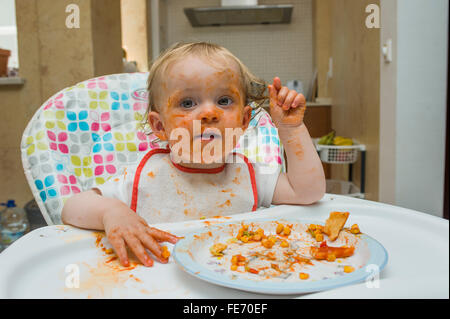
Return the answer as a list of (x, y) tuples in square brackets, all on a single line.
[(239, 14)]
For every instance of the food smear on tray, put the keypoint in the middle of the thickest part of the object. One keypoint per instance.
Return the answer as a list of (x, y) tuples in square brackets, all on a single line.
[(289, 250)]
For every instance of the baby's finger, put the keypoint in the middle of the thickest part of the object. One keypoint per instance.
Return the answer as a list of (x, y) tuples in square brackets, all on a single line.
[(289, 99), (272, 93), (299, 101), (136, 246), (120, 249), (162, 235), (282, 95), (277, 83), (153, 246)]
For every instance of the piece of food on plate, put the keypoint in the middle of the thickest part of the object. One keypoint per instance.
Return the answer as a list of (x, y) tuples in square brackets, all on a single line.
[(303, 276), (245, 235), (349, 269), (355, 229), (334, 224), (269, 242), (331, 253), (316, 232), (236, 261), (217, 249)]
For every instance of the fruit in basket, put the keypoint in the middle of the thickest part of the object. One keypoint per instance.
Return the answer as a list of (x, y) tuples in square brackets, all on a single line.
[(327, 139), (342, 141)]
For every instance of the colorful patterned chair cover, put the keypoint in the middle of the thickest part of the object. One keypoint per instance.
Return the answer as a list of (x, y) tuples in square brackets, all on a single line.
[(85, 134)]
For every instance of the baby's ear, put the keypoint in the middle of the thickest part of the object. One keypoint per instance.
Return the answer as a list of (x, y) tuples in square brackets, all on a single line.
[(157, 125), (247, 116)]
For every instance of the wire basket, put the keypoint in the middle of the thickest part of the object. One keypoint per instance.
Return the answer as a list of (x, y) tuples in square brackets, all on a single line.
[(343, 188), (333, 154)]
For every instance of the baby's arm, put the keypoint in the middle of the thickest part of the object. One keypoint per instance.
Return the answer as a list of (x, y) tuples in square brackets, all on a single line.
[(123, 227), (87, 209), (304, 182)]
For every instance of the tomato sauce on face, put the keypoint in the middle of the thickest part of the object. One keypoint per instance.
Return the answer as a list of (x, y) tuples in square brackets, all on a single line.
[(211, 95)]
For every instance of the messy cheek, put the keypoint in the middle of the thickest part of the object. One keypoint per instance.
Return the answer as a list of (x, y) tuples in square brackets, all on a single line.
[(179, 122)]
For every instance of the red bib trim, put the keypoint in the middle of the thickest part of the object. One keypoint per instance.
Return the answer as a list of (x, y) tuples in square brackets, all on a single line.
[(134, 196)]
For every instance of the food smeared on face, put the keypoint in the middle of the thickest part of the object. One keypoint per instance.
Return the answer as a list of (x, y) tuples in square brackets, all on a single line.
[(197, 91)]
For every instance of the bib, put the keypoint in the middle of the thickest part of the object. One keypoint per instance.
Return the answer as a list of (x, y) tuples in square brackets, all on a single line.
[(164, 191)]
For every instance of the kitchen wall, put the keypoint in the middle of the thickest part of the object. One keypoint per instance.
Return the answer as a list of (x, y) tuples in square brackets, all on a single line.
[(284, 50), (422, 53), (135, 35), (388, 102), (355, 83), (52, 57)]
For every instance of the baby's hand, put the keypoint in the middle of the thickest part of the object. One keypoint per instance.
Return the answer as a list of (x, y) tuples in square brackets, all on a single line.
[(287, 107), (124, 227)]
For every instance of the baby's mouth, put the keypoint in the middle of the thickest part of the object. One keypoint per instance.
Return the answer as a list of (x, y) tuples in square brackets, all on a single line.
[(208, 136)]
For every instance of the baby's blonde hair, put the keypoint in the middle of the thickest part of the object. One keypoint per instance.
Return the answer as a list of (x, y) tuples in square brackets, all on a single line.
[(252, 87)]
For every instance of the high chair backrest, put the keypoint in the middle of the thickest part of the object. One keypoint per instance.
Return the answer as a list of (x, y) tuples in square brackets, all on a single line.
[(86, 133)]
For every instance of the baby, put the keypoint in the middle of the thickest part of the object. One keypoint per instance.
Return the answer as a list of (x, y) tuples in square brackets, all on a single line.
[(199, 96)]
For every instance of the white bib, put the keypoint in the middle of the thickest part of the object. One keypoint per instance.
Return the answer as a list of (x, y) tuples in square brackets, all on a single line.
[(167, 192)]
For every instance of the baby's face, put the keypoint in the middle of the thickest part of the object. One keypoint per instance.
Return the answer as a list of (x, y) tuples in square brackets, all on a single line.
[(197, 102)]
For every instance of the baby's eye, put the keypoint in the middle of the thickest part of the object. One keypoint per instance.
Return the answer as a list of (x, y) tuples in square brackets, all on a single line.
[(187, 103), (225, 101)]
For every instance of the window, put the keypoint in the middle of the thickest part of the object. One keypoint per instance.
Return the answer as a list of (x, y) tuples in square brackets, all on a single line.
[(8, 31)]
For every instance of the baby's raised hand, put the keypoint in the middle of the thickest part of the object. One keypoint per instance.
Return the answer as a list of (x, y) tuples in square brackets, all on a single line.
[(287, 107), (123, 227)]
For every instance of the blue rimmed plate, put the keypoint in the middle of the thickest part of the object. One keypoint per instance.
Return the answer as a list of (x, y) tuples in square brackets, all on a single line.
[(193, 255)]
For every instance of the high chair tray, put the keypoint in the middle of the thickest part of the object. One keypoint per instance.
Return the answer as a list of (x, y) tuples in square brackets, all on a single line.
[(47, 262)]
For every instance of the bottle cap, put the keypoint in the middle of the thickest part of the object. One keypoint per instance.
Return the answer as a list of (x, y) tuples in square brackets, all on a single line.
[(10, 203)]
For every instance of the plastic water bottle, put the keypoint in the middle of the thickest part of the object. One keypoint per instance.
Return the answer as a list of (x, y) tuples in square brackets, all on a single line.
[(13, 224)]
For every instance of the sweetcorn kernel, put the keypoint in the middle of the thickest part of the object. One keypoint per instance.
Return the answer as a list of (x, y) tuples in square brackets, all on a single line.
[(234, 267), (303, 276), (355, 229), (244, 239), (109, 251), (267, 243), (348, 269), (284, 244), (165, 252), (279, 229), (287, 231), (257, 237), (319, 237)]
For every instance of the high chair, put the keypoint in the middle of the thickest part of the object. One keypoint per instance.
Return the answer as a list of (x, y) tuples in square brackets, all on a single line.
[(86, 133)]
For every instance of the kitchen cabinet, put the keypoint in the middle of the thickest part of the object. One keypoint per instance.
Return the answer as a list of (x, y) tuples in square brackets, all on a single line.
[(318, 121)]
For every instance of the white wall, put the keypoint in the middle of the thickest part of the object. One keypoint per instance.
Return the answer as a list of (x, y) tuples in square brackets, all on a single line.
[(388, 105), (422, 28), (284, 50)]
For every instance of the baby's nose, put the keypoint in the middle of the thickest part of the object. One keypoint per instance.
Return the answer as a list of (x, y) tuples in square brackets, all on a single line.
[(209, 114)]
